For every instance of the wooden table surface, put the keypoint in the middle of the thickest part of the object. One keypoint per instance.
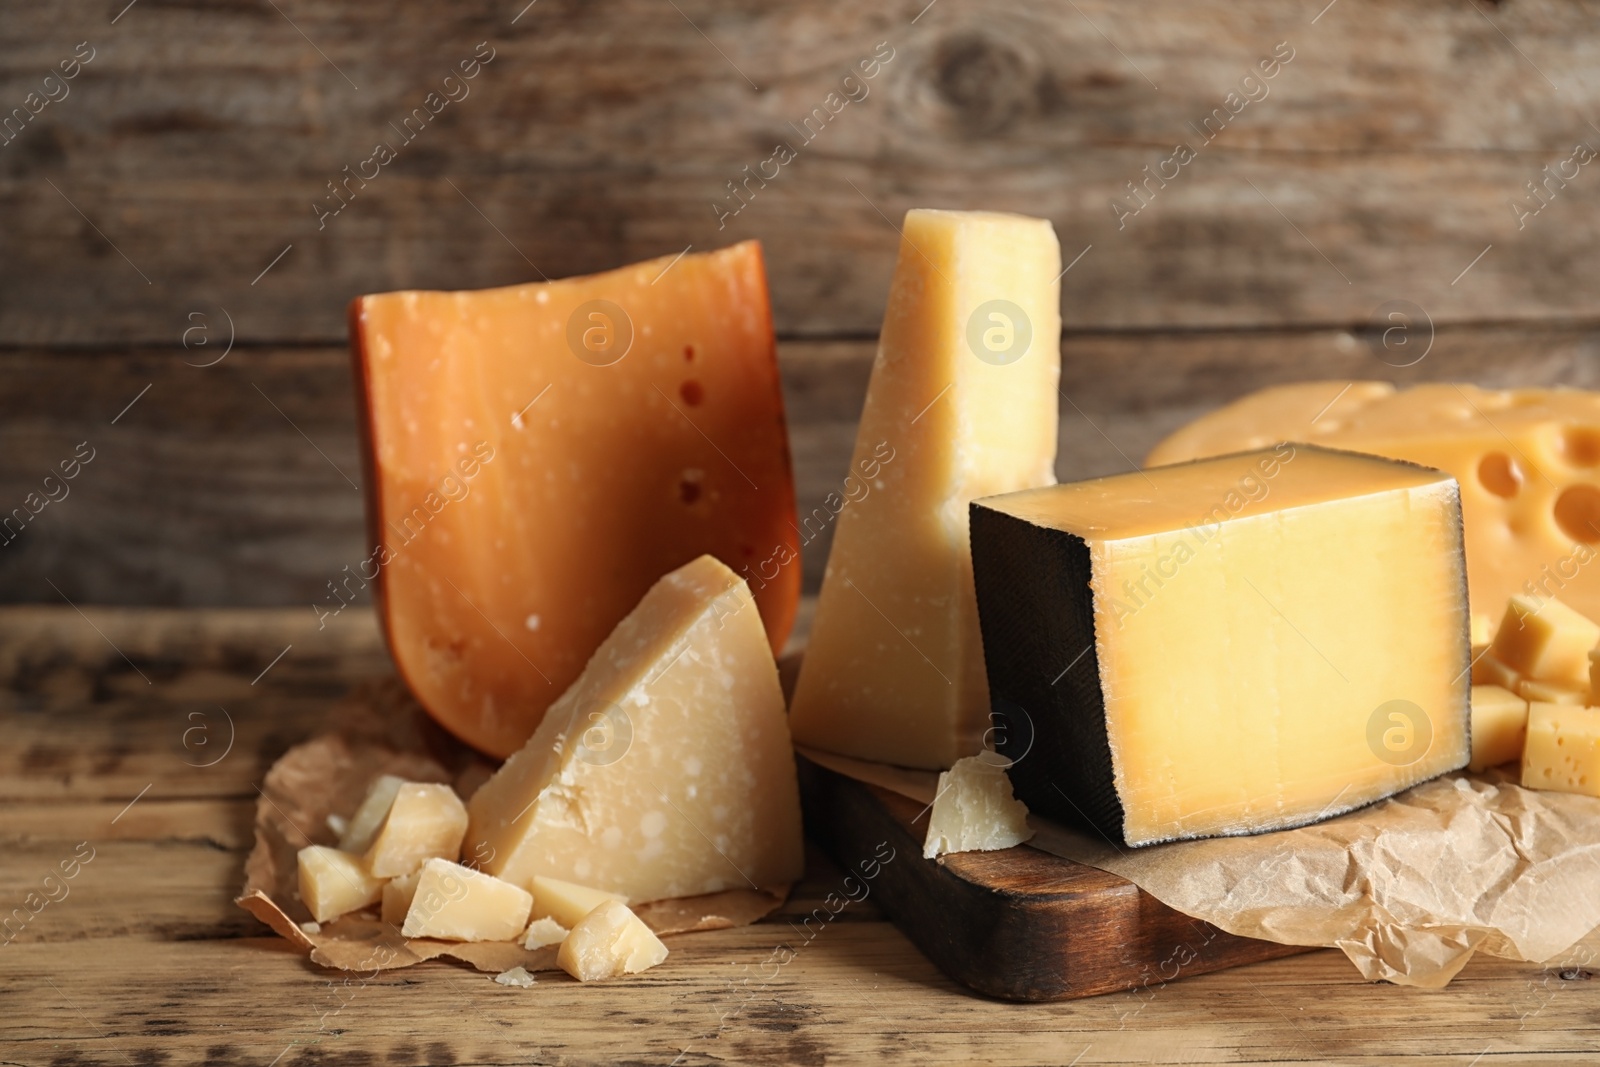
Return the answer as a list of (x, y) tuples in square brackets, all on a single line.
[(117, 727)]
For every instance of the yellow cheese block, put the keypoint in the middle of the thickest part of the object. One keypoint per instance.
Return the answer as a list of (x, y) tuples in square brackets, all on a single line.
[(1487, 670), (1238, 644), (333, 882), (1535, 689), (397, 896), (457, 903), (1528, 461), (962, 403), (608, 942), (424, 821), (1562, 751), (566, 902), (1542, 638), (666, 770), (544, 932), (974, 810), (1499, 723), (363, 825)]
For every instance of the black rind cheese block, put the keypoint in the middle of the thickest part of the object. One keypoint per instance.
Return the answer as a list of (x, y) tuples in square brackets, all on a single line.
[(1036, 613)]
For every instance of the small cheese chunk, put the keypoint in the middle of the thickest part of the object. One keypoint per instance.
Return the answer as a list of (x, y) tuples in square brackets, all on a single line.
[(457, 903), (397, 896), (1228, 646), (1499, 723), (610, 941), (543, 932), (517, 977), (333, 882), (962, 404), (1486, 670), (974, 810), (363, 826), (1562, 751), (1537, 690), (425, 821), (1594, 677), (1540, 637), (666, 770), (566, 902)]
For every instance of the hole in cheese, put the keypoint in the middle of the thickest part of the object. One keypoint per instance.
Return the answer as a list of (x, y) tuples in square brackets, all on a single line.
[(1581, 446), (1578, 513), (1499, 475)]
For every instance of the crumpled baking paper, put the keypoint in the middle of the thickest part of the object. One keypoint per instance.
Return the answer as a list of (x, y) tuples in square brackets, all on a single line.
[(1408, 888), (381, 730)]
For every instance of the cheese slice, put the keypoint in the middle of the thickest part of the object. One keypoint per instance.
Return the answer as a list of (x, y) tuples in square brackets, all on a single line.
[(363, 825), (333, 882), (1239, 644), (457, 903), (609, 942), (1499, 724), (974, 810), (962, 404), (538, 455), (1562, 751), (566, 902), (666, 770), (1528, 461), (1544, 639), (424, 821)]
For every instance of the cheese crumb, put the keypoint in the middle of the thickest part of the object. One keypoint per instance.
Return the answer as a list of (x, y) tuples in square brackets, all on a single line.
[(974, 810), (544, 932), (516, 976)]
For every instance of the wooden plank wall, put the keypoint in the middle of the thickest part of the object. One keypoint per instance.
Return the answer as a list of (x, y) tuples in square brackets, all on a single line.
[(170, 195)]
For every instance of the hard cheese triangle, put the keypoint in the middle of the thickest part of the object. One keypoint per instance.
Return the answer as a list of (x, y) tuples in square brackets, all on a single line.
[(1238, 644), (666, 770), (537, 456), (962, 404)]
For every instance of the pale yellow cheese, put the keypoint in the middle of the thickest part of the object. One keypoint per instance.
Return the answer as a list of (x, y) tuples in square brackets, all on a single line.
[(957, 408), (666, 770), (1594, 677), (363, 825), (974, 809), (425, 821), (1543, 692), (1562, 751), (608, 942), (1499, 723), (544, 932), (457, 903), (1486, 670), (397, 896), (1528, 461), (1540, 637), (333, 882), (566, 902)]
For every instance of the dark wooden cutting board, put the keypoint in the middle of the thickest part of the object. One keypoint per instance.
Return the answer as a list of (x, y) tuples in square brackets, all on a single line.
[(1019, 924)]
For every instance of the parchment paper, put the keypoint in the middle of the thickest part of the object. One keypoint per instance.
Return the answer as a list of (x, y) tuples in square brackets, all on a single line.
[(1408, 888), (381, 730)]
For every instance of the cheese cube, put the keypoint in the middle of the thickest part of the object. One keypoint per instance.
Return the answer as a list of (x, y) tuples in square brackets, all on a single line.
[(1499, 723), (1543, 638), (457, 903), (1486, 670), (425, 821), (610, 941), (962, 404), (540, 454), (566, 902), (1528, 461), (397, 896), (1533, 689), (666, 770), (363, 825), (1227, 646), (543, 932), (333, 882), (1562, 751), (974, 810), (1594, 676)]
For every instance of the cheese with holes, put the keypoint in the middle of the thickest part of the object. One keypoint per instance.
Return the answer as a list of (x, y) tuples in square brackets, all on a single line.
[(536, 456), (566, 902), (1542, 638), (666, 770), (962, 403), (333, 882), (425, 821), (363, 825), (542, 933), (1528, 461), (1239, 644), (457, 903), (1562, 750), (609, 942), (1499, 723), (974, 809)]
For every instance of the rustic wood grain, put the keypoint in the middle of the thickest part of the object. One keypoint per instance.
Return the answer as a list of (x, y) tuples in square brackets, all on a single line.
[(205, 493), (192, 148), (145, 960)]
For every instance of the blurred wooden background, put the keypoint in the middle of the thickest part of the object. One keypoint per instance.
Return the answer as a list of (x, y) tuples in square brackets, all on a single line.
[(163, 203)]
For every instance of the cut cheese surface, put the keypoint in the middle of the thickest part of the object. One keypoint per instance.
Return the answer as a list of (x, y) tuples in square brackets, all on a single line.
[(363, 825), (333, 882), (538, 455), (962, 403), (1528, 461), (566, 902), (1543, 639), (1499, 723), (666, 770), (1240, 644), (609, 942), (1562, 751), (457, 903), (974, 810), (1534, 689), (425, 821), (544, 932)]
